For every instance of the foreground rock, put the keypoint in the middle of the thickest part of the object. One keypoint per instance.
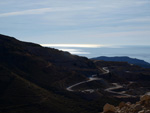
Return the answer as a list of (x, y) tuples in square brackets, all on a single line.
[(109, 108), (143, 106)]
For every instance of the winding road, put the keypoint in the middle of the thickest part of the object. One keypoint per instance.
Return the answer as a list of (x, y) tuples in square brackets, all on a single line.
[(94, 78), (115, 87)]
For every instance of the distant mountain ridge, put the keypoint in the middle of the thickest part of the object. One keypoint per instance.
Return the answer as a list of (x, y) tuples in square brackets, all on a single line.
[(134, 61)]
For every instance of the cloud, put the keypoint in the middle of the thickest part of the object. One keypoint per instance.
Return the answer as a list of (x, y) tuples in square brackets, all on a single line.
[(32, 11), (145, 19), (77, 21), (43, 10), (142, 2), (122, 34), (74, 45)]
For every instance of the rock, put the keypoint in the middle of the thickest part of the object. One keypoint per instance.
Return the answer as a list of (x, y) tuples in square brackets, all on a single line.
[(148, 111), (128, 104), (121, 105), (145, 97), (138, 102), (109, 108), (145, 100), (143, 106), (137, 107), (141, 111)]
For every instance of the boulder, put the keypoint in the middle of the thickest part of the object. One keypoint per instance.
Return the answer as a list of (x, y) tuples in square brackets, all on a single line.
[(141, 111), (143, 106), (145, 100), (148, 111), (109, 108), (122, 104), (137, 107)]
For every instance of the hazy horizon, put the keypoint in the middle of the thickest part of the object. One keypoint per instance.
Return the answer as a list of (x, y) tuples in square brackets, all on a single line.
[(90, 51)]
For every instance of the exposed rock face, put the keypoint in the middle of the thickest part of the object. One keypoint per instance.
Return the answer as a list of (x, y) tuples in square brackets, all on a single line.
[(121, 105), (109, 108), (145, 100), (143, 106)]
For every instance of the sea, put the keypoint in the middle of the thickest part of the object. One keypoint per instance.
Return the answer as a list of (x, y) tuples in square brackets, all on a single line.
[(137, 51)]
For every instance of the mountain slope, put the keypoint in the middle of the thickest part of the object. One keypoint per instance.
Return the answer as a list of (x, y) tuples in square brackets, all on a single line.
[(46, 65), (135, 61), (20, 95), (34, 79)]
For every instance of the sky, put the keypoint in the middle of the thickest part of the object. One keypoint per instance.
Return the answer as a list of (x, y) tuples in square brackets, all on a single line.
[(79, 22), (106, 22)]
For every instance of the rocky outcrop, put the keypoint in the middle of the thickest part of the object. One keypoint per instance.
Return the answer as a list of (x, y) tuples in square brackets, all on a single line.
[(143, 106), (109, 108)]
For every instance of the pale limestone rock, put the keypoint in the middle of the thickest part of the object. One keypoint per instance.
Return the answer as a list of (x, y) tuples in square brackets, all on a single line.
[(143, 106), (108, 108)]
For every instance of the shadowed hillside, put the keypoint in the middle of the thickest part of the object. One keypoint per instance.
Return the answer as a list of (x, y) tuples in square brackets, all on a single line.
[(34, 78)]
